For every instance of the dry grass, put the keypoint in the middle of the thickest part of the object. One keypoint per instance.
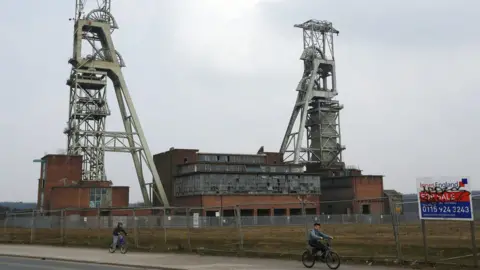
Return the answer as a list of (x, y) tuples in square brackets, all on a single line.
[(444, 239)]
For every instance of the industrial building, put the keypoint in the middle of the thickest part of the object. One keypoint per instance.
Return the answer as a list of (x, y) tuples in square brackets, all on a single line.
[(263, 184), (353, 193), (260, 184), (60, 186)]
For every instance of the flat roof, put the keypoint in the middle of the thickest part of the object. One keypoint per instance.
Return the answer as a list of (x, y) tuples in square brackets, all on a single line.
[(351, 176), (80, 186), (230, 154), (60, 155), (218, 153)]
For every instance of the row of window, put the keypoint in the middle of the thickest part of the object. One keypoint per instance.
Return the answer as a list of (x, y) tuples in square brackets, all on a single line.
[(237, 168), (246, 184), (232, 158)]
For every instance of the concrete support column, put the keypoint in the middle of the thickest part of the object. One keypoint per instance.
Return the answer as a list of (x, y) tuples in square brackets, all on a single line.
[(287, 214), (272, 218)]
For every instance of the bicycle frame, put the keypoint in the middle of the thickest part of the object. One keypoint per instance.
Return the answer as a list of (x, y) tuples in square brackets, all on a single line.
[(121, 240)]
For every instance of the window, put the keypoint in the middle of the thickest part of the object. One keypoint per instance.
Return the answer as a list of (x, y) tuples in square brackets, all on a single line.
[(97, 196), (366, 209), (44, 169)]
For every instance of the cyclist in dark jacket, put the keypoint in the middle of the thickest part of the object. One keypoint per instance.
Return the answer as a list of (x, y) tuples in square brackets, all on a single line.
[(116, 232)]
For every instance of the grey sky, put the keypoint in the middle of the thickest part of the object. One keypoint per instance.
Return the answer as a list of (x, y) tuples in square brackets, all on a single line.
[(221, 76)]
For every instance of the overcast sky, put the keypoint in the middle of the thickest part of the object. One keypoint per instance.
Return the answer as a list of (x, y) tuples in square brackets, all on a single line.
[(220, 76)]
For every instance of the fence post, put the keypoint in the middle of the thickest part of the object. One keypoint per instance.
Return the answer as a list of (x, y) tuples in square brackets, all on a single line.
[(165, 223), (239, 225), (474, 243), (393, 213), (305, 221), (188, 229), (5, 223), (14, 223), (221, 211), (98, 223), (135, 228), (62, 226), (32, 228), (424, 235)]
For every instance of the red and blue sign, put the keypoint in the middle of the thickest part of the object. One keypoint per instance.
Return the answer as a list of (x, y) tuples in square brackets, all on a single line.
[(444, 198)]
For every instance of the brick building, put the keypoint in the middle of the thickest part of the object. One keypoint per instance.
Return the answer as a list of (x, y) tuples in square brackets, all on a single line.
[(219, 180), (60, 186), (260, 184), (353, 192)]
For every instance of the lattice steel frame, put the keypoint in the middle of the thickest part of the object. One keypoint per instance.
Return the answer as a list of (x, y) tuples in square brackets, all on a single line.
[(88, 107), (317, 139)]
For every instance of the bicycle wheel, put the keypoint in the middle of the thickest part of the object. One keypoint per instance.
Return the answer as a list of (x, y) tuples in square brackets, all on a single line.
[(308, 259), (124, 249), (332, 260), (111, 249)]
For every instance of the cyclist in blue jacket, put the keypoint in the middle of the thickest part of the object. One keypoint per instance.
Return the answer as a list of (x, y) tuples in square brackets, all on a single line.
[(315, 236)]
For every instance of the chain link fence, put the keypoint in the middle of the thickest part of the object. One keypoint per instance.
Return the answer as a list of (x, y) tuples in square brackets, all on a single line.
[(391, 231)]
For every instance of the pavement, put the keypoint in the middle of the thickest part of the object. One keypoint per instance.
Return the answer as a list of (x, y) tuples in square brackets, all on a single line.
[(16, 257), (17, 263)]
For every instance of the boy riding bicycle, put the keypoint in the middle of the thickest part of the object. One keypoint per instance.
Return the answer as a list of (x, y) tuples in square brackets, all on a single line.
[(116, 233), (314, 239)]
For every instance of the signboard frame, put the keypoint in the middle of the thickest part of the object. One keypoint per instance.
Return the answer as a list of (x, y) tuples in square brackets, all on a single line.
[(445, 198)]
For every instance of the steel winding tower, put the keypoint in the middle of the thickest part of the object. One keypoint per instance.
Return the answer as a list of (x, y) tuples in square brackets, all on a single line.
[(316, 138), (95, 60)]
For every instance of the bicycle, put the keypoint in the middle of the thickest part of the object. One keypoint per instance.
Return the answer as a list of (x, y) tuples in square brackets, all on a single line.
[(121, 243), (330, 258)]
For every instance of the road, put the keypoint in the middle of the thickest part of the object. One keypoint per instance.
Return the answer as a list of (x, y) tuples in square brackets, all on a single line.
[(14, 263), (141, 260)]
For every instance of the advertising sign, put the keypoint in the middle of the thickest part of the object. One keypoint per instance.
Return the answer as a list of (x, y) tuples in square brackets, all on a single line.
[(196, 220), (445, 198)]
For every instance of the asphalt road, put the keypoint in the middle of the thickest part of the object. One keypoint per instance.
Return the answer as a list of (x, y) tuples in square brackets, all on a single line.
[(12, 263)]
